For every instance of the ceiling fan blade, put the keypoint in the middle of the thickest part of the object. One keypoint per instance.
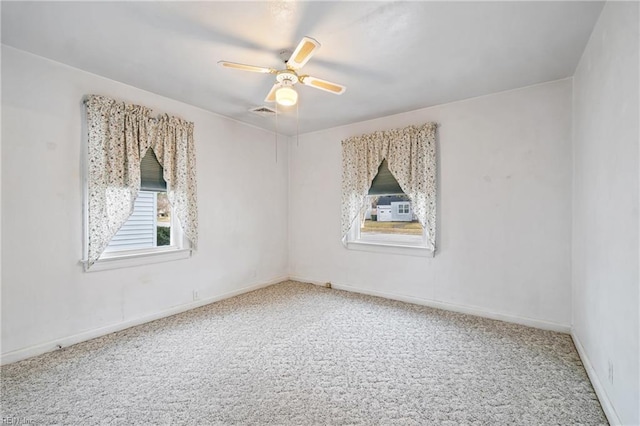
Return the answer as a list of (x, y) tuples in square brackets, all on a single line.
[(325, 85), (305, 50), (271, 97), (245, 67)]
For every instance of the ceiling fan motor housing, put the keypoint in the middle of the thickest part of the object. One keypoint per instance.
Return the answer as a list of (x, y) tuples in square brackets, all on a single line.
[(287, 77)]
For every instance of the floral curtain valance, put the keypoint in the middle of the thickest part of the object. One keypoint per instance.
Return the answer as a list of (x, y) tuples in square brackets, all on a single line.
[(119, 136), (411, 155)]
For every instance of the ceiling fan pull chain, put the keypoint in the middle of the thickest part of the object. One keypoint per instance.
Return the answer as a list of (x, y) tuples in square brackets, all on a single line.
[(277, 113), (298, 124)]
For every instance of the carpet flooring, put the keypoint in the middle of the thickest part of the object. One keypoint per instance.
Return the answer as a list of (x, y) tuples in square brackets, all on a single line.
[(297, 354)]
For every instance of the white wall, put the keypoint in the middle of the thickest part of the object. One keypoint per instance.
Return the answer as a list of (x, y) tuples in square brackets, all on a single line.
[(46, 298), (504, 213), (605, 210)]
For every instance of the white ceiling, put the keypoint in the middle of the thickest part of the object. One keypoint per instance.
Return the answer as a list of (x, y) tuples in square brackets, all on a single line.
[(392, 56)]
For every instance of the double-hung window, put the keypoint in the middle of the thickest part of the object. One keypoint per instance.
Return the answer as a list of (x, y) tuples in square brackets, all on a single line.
[(151, 233), (133, 215), (387, 219), (151, 224), (389, 190)]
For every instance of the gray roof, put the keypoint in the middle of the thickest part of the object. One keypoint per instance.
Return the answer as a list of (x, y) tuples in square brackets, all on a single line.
[(388, 199)]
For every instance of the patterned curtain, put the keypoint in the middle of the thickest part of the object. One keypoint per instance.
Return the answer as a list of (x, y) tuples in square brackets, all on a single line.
[(119, 136), (173, 145), (411, 155)]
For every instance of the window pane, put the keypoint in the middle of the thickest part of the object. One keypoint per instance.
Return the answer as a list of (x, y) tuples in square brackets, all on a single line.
[(149, 225), (390, 215), (163, 220), (138, 232)]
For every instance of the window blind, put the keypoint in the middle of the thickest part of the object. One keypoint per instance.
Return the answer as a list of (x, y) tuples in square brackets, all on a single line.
[(384, 183), (151, 173)]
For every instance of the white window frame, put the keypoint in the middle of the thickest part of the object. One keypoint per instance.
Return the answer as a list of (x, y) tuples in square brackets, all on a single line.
[(180, 248), (394, 244)]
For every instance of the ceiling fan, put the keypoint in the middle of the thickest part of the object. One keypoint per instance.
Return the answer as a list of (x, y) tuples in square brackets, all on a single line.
[(282, 91)]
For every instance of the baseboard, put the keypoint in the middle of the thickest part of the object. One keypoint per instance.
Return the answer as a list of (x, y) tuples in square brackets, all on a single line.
[(605, 402), (56, 344), (308, 281), (470, 310)]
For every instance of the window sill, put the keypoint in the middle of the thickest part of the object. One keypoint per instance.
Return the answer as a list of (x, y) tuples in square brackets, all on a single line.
[(390, 248), (138, 259)]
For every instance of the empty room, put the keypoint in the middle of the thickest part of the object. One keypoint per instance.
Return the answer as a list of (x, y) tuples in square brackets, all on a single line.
[(320, 213)]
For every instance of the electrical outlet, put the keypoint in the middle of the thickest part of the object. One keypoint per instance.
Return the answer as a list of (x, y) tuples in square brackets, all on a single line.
[(195, 295), (610, 372)]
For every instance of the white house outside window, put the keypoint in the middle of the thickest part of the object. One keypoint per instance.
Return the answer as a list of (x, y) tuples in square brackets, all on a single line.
[(150, 224), (387, 219)]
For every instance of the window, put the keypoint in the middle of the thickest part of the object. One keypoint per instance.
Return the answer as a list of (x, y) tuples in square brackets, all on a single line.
[(411, 153), (387, 219), (149, 225), (151, 230), (123, 172)]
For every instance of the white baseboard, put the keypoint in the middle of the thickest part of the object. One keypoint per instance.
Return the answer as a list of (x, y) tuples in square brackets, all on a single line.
[(605, 402), (470, 310), (31, 351), (308, 281)]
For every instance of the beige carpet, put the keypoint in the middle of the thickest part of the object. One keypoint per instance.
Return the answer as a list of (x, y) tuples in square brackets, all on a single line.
[(296, 354)]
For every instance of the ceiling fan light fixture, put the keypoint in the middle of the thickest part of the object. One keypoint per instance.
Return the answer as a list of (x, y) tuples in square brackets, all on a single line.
[(286, 95)]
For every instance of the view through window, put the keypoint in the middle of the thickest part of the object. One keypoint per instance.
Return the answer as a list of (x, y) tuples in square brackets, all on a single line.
[(149, 225), (390, 218), (163, 215)]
